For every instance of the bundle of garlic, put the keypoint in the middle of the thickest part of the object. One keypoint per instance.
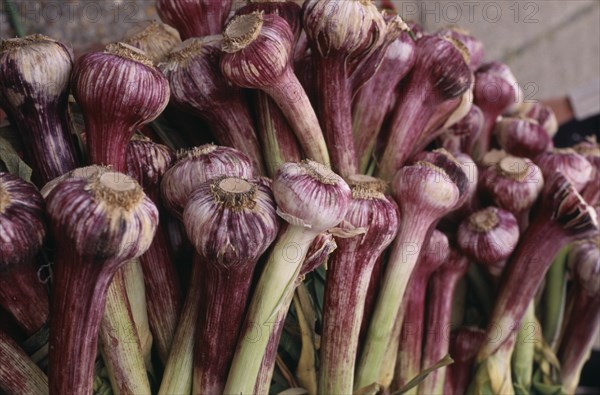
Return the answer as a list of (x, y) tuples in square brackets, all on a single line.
[(412, 219)]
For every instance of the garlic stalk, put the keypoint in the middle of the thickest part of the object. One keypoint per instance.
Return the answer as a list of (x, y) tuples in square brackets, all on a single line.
[(440, 74), (147, 162), (318, 254), (424, 193), (194, 168), (408, 363), (257, 53), (231, 222), (342, 35), (199, 87), (120, 341), (373, 101), (496, 91), (83, 216), (312, 199), (277, 138), (34, 88), (18, 373), (584, 319), (562, 217), (439, 314), (348, 274), (464, 344)]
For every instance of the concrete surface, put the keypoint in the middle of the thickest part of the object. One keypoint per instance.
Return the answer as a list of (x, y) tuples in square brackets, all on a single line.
[(553, 46)]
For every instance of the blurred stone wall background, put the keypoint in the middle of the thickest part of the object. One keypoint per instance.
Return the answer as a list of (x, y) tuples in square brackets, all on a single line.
[(553, 46)]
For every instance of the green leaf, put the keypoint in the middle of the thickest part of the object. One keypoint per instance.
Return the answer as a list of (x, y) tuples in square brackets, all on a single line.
[(371, 389), (540, 387), (423, 375), (9, 146), (306, 371)]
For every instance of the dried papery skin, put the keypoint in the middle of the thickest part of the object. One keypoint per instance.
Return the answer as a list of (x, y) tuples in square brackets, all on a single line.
[(408, 363), (348, 274), (312, 199), (461, 136), (18, 373), (231, 222), (439, 315), (257, 53), (118, 90), (514, 184), (464, 344), (473, 45), (288, 10), (544, 116), (80, 172), (368, 113), (194, 18), (496, 90), (562, 217), (198, 165), (156, 39), (591, 151), (584, 319), (279, 143), (34, 88), (318, 253), (440, 74), (99, 224), (424, 193), (22, 232), (575, 167), (492, 157), (120, 340), (522, 137), (199, 88), (489, 237), (147, 162)]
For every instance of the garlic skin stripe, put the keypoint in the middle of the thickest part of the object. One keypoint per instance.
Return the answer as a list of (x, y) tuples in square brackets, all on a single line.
[(231, 222), (99, 224), (34, 90), (118, 91), (370, 226), (194, 18), (257, 53), (424, 193), (22, 232), (311, 199)]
